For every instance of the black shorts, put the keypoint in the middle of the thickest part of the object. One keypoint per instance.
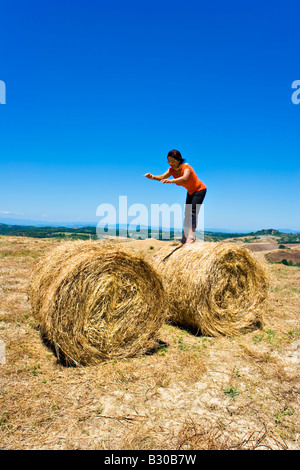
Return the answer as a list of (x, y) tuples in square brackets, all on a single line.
[(192, 207)]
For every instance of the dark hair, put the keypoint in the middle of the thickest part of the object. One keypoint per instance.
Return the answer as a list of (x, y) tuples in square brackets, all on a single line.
[(177, 155)]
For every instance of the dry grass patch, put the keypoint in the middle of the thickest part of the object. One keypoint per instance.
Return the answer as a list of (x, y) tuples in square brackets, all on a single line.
[(191, 391), (221, 435)]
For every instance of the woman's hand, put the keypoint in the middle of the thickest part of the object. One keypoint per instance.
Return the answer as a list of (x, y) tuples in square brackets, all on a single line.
[(159, 177), (166, 181)]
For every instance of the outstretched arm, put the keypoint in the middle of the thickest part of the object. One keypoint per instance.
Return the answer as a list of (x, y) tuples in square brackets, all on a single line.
[(158, 177), (182, 178)]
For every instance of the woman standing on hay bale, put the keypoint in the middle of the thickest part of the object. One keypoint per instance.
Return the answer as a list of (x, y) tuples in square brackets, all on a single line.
[(184, 175)]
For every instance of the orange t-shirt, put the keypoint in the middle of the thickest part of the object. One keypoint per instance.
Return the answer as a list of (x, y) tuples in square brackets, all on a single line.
[(193, 183)]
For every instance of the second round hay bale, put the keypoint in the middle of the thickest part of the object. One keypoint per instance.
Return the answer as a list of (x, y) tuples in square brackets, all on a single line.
[(214, 288), (95, 301)]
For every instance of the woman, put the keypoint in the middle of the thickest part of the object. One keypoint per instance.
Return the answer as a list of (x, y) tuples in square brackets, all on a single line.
[(184, 175)]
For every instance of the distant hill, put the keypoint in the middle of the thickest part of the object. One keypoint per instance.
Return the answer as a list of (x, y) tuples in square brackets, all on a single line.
[(42, 223), (90, 232)]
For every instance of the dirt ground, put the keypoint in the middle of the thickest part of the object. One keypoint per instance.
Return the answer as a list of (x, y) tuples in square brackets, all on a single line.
[(193, 392), (293, 254)]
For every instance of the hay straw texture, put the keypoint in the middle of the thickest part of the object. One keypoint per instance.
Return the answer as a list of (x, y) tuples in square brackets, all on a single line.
[(214, 288), (96, 301)]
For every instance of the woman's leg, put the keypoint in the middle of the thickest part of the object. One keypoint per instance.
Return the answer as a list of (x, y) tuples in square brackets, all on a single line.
[(187, 217), (193, 204), (197, 200)]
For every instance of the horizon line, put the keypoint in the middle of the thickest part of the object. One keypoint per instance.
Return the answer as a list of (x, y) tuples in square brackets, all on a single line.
[(40, 224)]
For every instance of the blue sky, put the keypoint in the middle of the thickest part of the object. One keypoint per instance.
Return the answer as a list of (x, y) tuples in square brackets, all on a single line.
[(98, 92)]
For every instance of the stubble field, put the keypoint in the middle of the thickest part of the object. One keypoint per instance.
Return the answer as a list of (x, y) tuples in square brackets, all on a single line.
[(192, 392)]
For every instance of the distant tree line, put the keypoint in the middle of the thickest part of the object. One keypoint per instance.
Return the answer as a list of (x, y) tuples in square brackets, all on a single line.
[(86, 233)]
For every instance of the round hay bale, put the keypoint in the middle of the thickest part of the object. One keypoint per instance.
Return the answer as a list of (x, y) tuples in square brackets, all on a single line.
[(95, 300), (214, 288)]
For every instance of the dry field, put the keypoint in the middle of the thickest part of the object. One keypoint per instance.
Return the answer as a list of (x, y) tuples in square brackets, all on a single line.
[(192, 392)]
